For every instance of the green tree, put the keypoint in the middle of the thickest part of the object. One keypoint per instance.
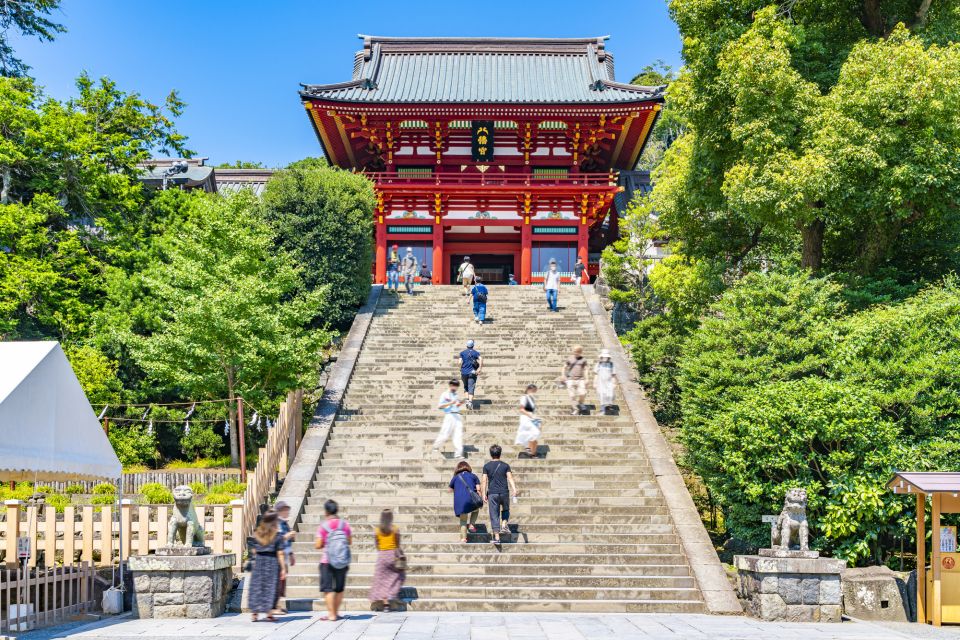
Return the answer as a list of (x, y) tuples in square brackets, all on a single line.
[(801, 134), (29, 17), (239, 164), (324, 218), (232, 320)]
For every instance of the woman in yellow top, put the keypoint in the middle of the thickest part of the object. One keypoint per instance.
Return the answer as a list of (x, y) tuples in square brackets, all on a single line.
[(387, 580)]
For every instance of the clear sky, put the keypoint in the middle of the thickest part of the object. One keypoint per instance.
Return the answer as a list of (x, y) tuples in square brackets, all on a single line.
[(238, 63)]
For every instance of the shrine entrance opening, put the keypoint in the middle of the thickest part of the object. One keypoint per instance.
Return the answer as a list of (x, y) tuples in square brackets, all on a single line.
[(492, 268)]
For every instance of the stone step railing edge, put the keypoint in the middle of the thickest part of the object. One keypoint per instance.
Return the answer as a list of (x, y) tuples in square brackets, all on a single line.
[(718, 594), (297, 483)]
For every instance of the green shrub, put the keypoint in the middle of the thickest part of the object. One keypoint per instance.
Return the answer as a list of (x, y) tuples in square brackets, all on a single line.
[(201, 442), (218, 498), (73, 489), (219, 462), (58, 501), (104, 488), (103, 499), (44, 488), (229, 486), (133, 444), (198, 488), (156, 493), (23, 491)]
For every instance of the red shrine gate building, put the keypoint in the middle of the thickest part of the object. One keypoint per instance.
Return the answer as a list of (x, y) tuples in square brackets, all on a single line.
[(509, 150)]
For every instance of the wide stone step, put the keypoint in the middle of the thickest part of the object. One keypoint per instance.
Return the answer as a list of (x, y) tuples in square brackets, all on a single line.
[(302, 585), (518, 605), (513, 592), (518, 571), (585, 531), (314, 516), (517, 554)]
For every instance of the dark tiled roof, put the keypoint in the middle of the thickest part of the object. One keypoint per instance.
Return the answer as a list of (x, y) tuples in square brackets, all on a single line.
[(497, 70)]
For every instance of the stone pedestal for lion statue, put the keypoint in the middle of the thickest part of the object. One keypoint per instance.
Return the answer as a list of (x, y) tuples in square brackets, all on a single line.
[(183, 579), (788, 581)]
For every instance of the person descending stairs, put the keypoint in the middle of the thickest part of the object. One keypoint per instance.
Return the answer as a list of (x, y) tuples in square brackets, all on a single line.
[(590, 530)]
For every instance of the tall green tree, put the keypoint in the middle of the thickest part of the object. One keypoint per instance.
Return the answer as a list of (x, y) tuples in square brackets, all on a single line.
[(233, 316), (324, 218), (30, 18), (805, 120)]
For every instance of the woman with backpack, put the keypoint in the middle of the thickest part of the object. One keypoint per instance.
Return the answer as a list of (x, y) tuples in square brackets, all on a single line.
[(334, 537), (390, 570), (269, 566), (466, 498)]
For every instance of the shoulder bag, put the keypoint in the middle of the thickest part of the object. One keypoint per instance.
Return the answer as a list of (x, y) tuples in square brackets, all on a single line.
[(475, 500)]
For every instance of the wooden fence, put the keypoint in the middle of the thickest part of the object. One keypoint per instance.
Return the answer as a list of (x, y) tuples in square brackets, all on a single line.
[(274, 459), (92, 534), (77, 534), (41, 597), (132, 482)]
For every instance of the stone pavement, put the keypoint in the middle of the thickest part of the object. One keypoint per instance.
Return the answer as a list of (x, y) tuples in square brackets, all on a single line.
[(488, 626)]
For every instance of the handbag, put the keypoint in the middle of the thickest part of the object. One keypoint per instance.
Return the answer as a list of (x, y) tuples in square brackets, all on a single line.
[(399, 558), (475, 500)]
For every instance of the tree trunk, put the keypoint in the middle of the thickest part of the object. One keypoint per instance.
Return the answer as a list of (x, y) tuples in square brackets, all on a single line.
[(234, 439), (812, 258), (5, 187), (872, 19)]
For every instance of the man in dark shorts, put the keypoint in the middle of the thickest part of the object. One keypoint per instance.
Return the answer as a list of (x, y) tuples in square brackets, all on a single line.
[(470, 364), (333, 580), (495, 487)]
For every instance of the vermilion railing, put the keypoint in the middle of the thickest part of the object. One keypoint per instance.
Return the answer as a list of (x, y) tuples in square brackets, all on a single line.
[(494, 178)]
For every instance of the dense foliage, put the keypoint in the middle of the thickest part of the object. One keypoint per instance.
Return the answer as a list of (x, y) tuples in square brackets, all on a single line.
[(166, 296), (29, 17), (324, 218), (803, 330)]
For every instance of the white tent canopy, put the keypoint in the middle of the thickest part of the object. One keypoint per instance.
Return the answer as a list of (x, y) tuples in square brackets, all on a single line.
[(48, 430)]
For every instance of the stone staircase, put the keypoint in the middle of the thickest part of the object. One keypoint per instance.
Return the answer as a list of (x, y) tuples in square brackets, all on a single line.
[(592, 531)]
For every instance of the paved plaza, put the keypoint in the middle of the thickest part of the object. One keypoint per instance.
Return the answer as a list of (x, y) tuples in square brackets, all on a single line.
[(488, 626)]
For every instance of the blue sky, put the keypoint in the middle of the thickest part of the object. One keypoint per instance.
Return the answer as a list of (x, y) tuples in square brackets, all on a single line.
[(238, 63)]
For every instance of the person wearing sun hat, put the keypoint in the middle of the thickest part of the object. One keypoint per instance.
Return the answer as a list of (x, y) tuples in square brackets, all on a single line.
[(604, 381)]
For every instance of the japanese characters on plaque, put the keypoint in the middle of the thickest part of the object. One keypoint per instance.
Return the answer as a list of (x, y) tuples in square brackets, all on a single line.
[(481, 140)]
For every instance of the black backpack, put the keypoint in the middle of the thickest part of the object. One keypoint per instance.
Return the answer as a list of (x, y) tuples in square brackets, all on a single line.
[(481, 297)]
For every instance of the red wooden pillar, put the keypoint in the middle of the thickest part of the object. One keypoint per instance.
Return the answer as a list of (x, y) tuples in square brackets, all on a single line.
[(438, 260), (380, 273), (526, 248), (583, 235)]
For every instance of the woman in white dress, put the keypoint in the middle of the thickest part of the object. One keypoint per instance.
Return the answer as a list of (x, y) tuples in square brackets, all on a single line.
[(605, 381), (528, 432)]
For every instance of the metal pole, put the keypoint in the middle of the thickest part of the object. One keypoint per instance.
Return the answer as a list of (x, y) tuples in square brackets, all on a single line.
[(242, 434)]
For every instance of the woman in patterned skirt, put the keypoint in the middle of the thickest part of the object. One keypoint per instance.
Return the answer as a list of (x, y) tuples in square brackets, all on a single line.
[(269, 565), (387, 580)]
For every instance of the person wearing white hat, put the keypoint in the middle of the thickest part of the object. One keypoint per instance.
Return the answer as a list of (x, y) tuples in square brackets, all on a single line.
[(605, 381), (409, 269)]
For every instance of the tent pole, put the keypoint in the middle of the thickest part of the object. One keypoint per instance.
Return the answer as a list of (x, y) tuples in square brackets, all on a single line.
[(120, 526)]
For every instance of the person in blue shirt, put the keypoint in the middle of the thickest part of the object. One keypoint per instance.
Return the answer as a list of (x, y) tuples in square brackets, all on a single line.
[(479, 292), (512, 280), (470, 365)]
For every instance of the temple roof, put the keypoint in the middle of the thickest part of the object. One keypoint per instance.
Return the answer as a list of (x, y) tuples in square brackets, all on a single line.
[(487, 70)]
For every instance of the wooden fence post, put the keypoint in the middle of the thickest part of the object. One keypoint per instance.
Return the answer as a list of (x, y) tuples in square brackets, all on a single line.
[(106, 536), (126, 528), (218, 532), (69, 534), (143, 531), (32, 533), (13, 530), (237, 534), (49, 536), (163, 514), (86, 534)]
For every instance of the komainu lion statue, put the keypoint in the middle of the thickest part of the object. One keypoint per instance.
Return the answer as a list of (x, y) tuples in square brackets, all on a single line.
[(791, 530), (183, 525)]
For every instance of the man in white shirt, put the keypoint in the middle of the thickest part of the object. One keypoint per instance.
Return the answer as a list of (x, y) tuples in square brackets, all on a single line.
[(465, 274), (551, 284), (408, 269), (450, 404)]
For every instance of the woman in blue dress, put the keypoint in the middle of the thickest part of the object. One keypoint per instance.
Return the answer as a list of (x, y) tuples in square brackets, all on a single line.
[(466, 491)]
